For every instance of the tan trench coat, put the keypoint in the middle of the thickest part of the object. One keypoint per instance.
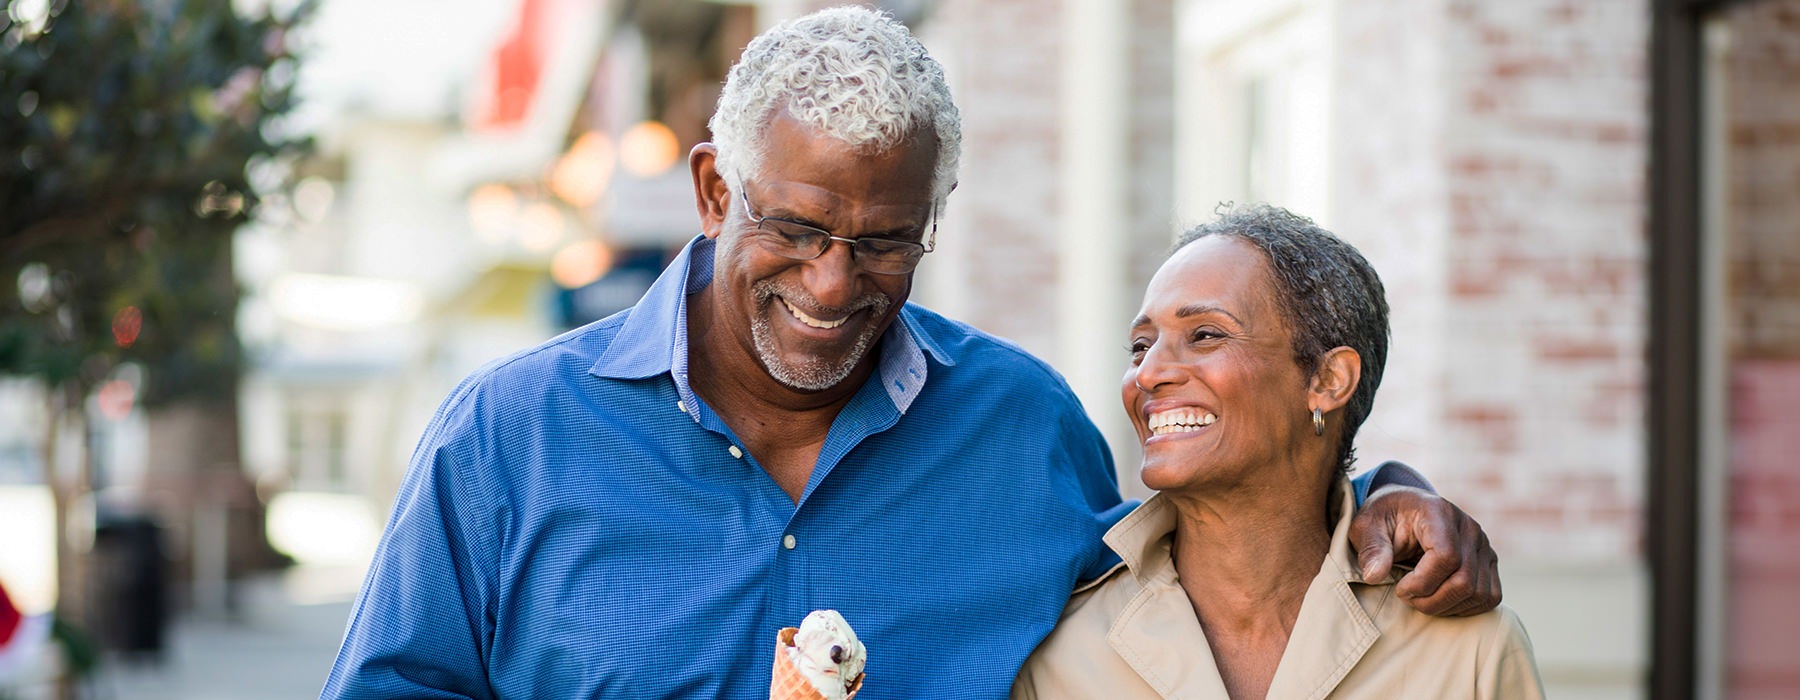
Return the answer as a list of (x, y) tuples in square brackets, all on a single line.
[(1133, 634)]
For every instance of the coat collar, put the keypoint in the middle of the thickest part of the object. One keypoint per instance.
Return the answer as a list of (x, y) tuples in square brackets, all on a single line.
[(1157, 634)]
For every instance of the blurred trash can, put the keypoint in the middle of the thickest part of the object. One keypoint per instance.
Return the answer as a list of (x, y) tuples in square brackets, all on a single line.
[(128, 573)]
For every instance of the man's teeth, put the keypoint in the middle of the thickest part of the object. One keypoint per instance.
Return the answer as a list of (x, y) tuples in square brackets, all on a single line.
[(1180, 420), (808, 320)]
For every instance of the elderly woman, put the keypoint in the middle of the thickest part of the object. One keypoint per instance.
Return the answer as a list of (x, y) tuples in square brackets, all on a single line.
[(1255, 358)]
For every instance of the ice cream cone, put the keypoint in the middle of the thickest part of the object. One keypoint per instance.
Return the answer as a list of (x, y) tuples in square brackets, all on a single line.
[(788, 683)]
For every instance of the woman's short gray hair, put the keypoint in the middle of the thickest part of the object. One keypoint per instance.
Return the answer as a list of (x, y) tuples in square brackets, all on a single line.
[(852, 73), (1327, 292)]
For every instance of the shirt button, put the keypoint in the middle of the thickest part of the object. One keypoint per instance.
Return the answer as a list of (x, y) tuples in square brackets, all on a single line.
[(737, 453), (682, 407), (787, 542)]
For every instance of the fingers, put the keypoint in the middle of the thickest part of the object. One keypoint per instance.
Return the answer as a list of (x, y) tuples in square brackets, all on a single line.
[(1373, 533), (1486, 596), (1441, 562), (1446, 595), (1487, 584), (1439, 577), (1472, 587), (1377, 558)]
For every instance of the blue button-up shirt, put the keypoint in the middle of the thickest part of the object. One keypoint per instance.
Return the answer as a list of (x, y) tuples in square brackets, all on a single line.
[(576, 522)]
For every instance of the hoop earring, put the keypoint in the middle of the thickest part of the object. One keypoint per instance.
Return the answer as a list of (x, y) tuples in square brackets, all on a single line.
[(1318, 421)]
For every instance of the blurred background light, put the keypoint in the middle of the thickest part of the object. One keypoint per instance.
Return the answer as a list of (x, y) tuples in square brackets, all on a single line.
[(581, 263), (33, 14), (116, 399), (582, 174), (345, 303), (540, 227), (126, 325), (493, 211), (34, 287), (313, 197), (648, 149), (323, 528)]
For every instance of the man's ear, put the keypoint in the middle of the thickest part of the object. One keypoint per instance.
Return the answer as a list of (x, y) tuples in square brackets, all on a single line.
[(711, 197), (1335, 381)]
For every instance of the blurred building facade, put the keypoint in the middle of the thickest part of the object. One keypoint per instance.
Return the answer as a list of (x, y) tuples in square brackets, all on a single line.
[(506, 171)]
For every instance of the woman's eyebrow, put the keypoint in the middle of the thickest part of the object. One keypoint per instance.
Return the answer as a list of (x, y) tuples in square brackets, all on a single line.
[(1204, 308)]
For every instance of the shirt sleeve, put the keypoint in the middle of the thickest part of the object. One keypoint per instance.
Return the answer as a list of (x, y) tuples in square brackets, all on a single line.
[(1389, 472), (421, 624), (1094, 483)]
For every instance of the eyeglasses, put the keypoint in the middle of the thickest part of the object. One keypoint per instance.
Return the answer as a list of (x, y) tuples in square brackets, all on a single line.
[(797, 241)]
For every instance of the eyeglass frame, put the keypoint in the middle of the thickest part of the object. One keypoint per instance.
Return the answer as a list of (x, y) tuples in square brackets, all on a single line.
[(929, 245)]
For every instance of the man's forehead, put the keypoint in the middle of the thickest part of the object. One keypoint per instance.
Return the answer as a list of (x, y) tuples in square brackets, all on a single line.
[(803, 162)]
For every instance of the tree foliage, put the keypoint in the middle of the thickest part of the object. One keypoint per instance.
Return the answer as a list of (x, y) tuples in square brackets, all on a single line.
[(129, 131)]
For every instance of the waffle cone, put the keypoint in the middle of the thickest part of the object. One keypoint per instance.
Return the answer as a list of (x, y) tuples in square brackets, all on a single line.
[(788, 683)]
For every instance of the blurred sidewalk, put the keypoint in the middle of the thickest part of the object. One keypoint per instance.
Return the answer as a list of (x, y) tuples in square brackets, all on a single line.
[(279, 644)]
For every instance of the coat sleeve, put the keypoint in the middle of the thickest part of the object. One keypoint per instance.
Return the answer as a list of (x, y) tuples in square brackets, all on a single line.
[(1509, 667), (420, 628), (1022, 687)]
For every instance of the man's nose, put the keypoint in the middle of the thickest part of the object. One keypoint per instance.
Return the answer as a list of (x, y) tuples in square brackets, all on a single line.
[(831, 277)]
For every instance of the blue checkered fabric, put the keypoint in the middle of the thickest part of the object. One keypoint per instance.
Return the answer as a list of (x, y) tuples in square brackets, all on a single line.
[(577, 523)]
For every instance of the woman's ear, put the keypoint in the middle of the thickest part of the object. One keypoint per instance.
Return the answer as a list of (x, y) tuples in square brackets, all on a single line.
[(712, 198), (1335, 381)]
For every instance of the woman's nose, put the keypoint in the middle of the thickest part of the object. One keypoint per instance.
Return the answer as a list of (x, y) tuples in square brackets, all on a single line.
[(1156, 368)]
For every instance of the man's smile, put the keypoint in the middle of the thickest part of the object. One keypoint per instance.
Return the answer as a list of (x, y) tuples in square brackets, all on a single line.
[(809, 319)]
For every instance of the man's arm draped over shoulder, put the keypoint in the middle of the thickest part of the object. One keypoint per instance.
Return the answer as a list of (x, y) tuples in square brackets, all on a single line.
[(1402, 518)]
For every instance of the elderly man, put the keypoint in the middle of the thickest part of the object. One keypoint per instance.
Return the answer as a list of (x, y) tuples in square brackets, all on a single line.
[(633, 509)]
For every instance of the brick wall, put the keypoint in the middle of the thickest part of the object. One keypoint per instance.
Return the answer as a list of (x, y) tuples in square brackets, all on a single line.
[(1390, 202), (1493, 166), (1761, 100), (999, 255), (997, 261), (1490, 161), (1545, 165)]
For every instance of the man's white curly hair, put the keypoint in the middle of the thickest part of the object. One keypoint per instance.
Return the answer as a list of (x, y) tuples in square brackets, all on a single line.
[(854, 74)]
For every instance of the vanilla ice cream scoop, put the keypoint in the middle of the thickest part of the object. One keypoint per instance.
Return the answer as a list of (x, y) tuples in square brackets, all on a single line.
[(827, 653)]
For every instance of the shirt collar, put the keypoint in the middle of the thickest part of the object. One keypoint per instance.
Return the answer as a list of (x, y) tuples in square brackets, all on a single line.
[(654, 338)]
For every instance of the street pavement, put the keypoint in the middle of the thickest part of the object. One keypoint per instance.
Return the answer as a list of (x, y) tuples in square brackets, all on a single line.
[(278, 644)]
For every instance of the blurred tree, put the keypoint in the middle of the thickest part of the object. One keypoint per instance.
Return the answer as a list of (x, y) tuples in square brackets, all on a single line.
[(129, 133)]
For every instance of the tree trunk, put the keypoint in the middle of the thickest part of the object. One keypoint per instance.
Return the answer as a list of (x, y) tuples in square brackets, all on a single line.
[(212, 515), (68, 488)]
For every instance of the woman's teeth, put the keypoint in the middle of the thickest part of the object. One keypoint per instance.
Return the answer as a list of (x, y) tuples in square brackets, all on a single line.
[(1180, 420)]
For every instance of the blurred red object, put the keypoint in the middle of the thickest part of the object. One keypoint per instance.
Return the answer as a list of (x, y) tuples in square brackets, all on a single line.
[(10, 618), (518, 65)]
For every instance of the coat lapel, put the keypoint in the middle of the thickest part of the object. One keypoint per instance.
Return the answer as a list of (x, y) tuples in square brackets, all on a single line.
[(1156, 633), (1333, 631), (1159, 637)]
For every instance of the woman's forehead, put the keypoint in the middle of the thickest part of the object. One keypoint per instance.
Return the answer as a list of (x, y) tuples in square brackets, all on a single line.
[(1221, 270)]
